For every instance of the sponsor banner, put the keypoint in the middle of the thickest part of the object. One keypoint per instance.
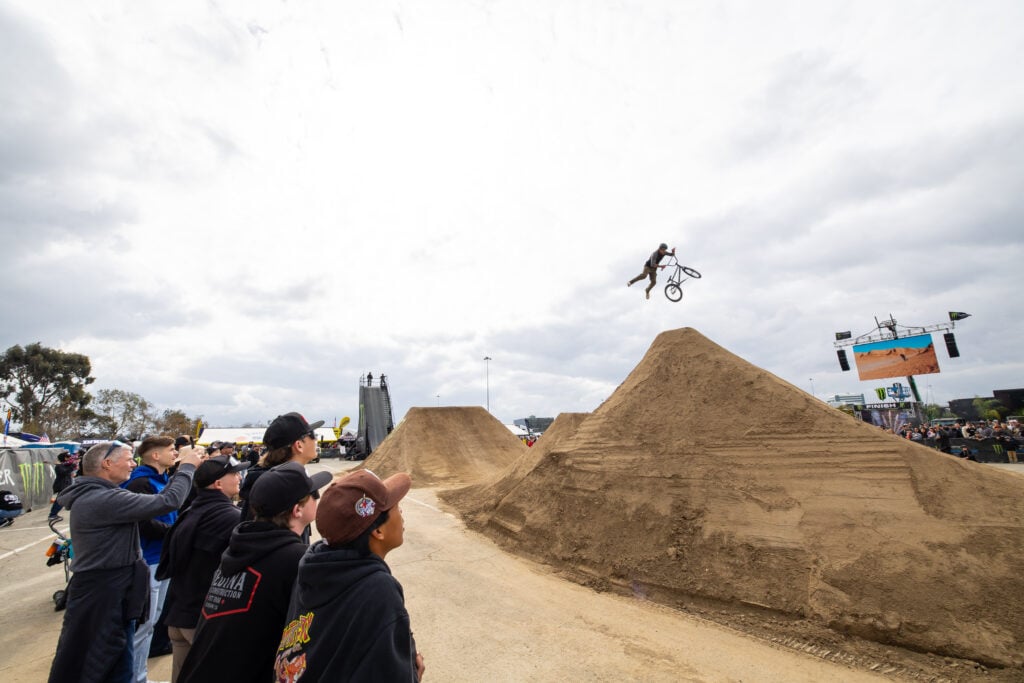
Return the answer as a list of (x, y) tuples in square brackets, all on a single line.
[(29, 473)]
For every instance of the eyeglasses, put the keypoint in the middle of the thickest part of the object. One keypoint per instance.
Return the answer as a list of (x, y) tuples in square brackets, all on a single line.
[(311, 434), (114, 445)]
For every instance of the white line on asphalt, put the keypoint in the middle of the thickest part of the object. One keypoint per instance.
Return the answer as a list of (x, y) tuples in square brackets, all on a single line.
[(426, 505), (26, 547)]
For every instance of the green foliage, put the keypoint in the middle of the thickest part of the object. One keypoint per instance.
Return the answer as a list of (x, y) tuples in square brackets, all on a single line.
[(43, 384), (175, 423), (121, 413), (989, 408)]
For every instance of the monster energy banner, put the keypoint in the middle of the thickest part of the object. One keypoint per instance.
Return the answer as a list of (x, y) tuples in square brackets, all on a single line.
[(28, 472)]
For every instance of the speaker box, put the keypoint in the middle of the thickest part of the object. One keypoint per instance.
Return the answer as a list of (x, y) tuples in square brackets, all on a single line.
[(951, 345), (843, 363)]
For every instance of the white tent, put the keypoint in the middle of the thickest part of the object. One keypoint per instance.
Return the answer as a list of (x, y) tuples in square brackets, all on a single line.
[(518, 431), (243, 435), (8, 441)]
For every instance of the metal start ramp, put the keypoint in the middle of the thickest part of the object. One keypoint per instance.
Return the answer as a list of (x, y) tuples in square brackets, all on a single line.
[(375, 418)]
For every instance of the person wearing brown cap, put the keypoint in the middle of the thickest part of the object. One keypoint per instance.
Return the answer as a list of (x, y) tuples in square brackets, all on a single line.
[(288, 438), (347, 619), (192, 550), (247, 601)]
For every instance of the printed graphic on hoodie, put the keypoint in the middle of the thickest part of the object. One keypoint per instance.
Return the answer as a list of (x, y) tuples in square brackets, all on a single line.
[(231, 594)]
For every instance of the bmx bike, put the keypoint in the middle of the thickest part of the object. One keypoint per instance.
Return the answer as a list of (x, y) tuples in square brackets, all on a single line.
[(674, 288)]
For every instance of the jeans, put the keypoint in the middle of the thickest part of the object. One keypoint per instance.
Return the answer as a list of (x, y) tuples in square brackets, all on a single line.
[(122, 671), (144, 634)]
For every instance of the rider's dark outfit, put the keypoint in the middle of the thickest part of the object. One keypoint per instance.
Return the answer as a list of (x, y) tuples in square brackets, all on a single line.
[(650, 270)]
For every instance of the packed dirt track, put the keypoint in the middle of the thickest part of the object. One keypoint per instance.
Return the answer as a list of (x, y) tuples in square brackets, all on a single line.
[(707, 484)]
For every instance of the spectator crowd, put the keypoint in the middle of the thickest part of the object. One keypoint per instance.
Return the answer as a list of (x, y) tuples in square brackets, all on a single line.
[(1000, 436), (198, 554)]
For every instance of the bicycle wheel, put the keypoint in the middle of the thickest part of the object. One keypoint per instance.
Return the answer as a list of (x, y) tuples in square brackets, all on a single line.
[(691, 272), (673, 292)]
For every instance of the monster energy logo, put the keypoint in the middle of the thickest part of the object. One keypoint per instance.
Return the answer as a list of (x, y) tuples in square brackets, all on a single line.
[(33, 477)]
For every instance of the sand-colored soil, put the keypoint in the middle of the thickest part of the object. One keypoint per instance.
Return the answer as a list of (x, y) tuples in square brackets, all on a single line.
[(448, 445), (704, 477)]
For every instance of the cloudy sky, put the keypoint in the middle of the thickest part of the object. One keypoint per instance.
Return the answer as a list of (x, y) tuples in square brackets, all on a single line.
[(238, 208)]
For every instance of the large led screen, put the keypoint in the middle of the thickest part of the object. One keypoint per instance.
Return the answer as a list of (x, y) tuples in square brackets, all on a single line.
[(896, 358)]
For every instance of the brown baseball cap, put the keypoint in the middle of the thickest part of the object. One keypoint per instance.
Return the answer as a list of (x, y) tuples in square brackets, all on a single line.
[(351, 504)]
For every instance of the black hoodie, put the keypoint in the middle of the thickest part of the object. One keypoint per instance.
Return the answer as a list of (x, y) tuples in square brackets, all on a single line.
[(191, 553), (244, 612), (346, 622)]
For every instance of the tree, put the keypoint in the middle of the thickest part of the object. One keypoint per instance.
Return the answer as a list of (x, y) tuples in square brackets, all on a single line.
[(66, 421), (175, 423), (121, 413), (37, 380), (989, 408)]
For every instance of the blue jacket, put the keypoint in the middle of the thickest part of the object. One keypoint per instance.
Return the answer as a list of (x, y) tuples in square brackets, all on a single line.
[(145, 479)]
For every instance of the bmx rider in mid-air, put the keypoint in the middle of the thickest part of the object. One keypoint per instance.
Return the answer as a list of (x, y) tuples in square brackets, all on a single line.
[(651, 267)]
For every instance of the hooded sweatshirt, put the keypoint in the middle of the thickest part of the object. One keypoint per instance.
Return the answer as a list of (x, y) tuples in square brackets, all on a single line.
[(111, 583), (244, 611), (191, 553), (105, 518), (346, 622)]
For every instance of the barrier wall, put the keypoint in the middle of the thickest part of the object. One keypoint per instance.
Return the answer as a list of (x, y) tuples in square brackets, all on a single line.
[(29, 473)]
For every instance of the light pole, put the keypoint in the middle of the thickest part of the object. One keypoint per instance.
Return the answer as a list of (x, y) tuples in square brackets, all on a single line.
[(439, 400), (811, 380), (487, 372)]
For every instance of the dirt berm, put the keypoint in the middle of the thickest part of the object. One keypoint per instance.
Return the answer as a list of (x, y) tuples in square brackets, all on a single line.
[(703, 475), (445, 446)]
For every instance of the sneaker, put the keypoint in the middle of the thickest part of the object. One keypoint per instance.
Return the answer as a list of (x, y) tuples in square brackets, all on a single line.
[(6, 521), (55, 518), (629, 284), (647, 294)]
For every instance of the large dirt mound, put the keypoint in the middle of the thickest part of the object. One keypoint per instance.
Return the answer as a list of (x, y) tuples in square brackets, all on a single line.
[(438, 446), (478, 500), (703, 475)]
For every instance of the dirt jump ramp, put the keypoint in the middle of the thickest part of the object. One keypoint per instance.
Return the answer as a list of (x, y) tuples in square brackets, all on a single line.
[(445, 446), (703, 475)]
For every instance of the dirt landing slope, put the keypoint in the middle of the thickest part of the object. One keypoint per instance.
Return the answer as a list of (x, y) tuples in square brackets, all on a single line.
[(476, 502), (440, 446), (703, 475)]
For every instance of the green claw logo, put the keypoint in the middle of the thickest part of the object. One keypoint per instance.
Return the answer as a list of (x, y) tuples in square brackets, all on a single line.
[(33, 477)]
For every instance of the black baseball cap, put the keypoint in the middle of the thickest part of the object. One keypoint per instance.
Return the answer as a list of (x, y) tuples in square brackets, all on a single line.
[(281, 487), (288, 428), (212, 469)]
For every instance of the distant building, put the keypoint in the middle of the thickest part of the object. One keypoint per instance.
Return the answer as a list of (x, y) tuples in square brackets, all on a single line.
[(847, 400), (1011, 399)]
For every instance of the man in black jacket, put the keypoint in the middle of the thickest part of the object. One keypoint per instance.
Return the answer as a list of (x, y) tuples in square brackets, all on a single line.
[(245, 608), (289, 438), (192, 550), (347, 619)]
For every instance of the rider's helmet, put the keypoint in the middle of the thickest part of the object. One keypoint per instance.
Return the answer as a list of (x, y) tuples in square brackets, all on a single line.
[(663, 246)]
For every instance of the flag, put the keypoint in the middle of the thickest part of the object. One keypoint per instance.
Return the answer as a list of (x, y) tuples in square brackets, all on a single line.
[(199, 428), (45, 438), (954, 315), (7, 425)]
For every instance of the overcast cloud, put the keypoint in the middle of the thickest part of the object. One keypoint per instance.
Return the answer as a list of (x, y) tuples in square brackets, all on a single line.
[(238, 208)]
